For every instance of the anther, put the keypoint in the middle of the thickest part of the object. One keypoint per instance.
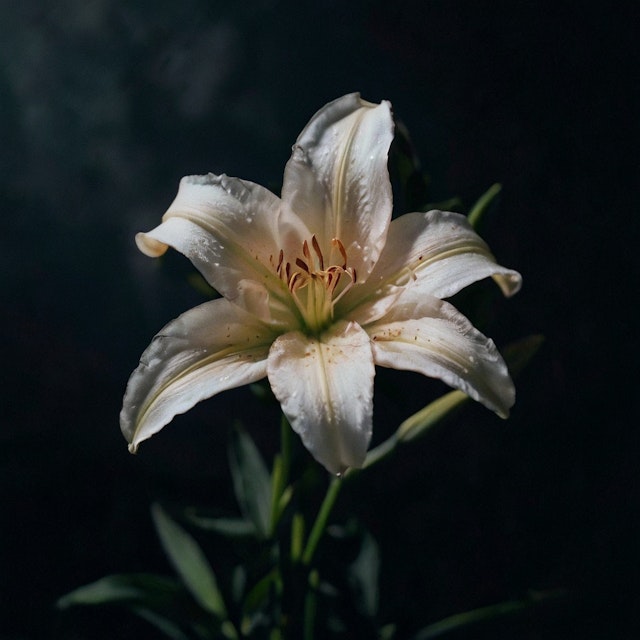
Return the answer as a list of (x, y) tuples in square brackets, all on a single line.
[(316, 248), (305, 251), (280, 260), (336, 243)]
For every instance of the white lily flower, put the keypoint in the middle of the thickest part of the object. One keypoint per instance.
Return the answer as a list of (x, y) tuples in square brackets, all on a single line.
[(318, 287)]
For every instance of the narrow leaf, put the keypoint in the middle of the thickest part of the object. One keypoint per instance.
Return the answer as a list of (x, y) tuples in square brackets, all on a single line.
[(169, 628), (123, 588), (417, 424), (482, 204), (251, 480), (190, 563), (469, 619), (518, 354), (364, 574), (259, 597), (229, 527)]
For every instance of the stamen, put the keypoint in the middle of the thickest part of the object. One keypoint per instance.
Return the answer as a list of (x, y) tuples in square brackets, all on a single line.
[(316, 248), (314, 287), (305, 251), (336, 243), (334, 274), (294, 282)]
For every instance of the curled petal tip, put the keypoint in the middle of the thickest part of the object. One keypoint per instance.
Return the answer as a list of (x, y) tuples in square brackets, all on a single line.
[(149, 246), (509, 283), (133, 448)]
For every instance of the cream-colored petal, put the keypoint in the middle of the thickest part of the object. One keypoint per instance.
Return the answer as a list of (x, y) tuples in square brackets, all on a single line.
[(433, 338), (436, 253), (231, 230), (211, 348), (337, 179), (325, 387)]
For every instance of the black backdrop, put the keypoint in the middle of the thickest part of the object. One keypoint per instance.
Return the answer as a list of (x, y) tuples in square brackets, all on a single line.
[(105, 104)]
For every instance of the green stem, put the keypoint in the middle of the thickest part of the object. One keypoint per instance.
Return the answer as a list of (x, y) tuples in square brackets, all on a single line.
[(381, 451), (321, 520), (297, 537), (277, 484), (411, 428), (310, 606), (285, 444), (280, 476)]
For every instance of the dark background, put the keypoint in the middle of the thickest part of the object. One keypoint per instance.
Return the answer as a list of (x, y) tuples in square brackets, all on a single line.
[(105, 104)]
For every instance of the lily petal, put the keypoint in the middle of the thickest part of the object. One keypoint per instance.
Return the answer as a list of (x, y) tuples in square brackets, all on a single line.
[(438, 254), (325, 387), (337, 179), (433, 338), (231, 230), (211, 348)]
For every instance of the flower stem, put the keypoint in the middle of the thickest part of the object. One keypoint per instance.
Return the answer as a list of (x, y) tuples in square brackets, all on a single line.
[(280, 475), (297, 536), (310, 606), (285, 444), (381, 451), (321, 520)]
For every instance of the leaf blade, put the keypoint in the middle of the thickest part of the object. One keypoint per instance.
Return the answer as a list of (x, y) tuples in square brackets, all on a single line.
[(190, 563), (122, 588), (251, 480)]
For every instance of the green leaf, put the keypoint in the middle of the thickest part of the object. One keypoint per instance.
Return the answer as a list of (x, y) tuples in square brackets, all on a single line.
[(168, 627), (364, 574), (482, 204), (163, 602), (481, 615), (229, 527), (142, 588), (251, 480), (190, 563), (420, 422), (518, 354), (259, 600), (468, 618)]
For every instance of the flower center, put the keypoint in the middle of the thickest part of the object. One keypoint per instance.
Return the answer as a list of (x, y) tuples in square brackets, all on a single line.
[(315, 288)]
